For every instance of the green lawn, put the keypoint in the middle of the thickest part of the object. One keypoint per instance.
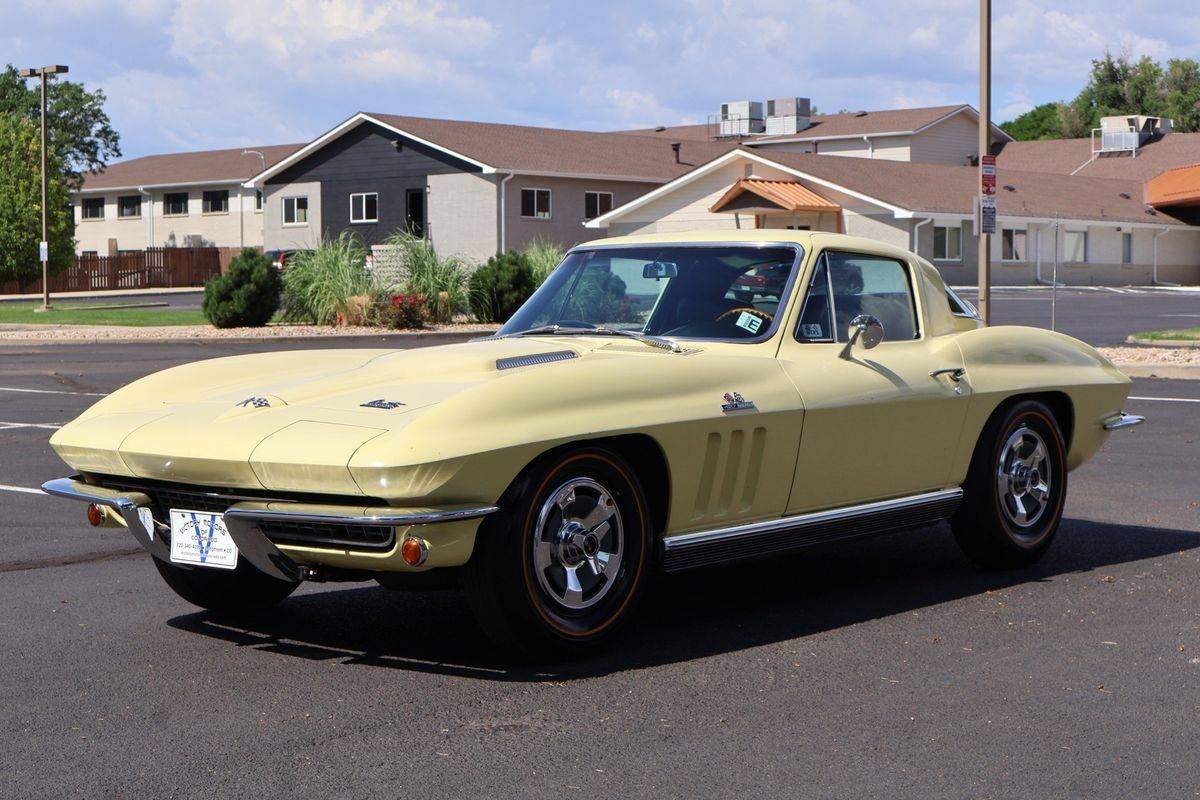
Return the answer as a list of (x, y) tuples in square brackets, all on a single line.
[(69, 314), (1182, 334)]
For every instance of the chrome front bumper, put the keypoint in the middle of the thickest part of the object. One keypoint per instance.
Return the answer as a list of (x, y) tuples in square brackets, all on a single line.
[(243, 519), (1122, 420)]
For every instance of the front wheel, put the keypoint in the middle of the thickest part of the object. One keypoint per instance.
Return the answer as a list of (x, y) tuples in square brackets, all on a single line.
[(564, 564), (1015, 488), (243, 589)]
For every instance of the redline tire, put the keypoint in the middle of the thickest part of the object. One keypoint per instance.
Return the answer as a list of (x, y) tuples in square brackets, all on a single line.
[(1015, 488), (525, 603)]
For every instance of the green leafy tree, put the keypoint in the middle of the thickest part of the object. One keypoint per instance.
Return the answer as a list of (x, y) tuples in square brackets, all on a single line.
[(76, 122), (21, 205), (1181, 93), (1041, 122)]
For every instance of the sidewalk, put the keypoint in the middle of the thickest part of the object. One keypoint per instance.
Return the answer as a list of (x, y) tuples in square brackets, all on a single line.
[(104, 293)]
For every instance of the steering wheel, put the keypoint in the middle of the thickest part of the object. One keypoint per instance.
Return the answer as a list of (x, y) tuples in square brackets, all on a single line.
[(749, 310)]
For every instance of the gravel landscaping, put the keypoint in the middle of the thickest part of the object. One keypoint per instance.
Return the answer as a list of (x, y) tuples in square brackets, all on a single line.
[(1175, 356), (90, 333)]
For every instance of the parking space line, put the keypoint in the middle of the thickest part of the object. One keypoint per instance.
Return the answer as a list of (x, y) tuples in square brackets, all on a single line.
[(7, 425), (23, 489), (52, 391), (1168, 399)]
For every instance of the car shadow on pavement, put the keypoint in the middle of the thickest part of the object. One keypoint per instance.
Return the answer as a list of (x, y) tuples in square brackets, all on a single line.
[(684, 617)]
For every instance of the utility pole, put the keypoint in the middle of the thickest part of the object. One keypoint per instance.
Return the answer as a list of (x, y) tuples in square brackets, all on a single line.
[(985, 129), (44, 247)]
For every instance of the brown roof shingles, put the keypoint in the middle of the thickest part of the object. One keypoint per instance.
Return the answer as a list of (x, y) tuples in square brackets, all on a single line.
[(823, 125), (185, 168), (529, 149), (1075, 155), (933, 188)]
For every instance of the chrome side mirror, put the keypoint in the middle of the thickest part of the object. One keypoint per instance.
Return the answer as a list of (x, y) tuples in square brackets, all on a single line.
[(866, 329)]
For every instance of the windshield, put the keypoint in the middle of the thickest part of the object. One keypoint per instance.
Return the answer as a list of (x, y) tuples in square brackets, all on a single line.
[(729, 292)]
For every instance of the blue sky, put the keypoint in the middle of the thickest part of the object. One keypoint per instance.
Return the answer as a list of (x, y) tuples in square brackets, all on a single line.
[(227, 73)]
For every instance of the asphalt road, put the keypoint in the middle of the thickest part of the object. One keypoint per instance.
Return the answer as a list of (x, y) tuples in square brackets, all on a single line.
[(889, 668), (1100, 317)]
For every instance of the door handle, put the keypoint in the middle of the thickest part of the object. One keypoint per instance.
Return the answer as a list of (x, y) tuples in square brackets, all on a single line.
[(956, 373)]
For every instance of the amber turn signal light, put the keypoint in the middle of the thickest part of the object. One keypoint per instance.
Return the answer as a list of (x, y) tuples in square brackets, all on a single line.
[(414, 551), (95, 515)]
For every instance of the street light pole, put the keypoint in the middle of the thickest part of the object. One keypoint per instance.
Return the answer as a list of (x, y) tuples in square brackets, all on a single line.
[(985, 129), (43, 248)]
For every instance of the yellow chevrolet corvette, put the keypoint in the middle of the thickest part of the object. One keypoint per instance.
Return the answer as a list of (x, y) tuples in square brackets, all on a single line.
[(661, 403)]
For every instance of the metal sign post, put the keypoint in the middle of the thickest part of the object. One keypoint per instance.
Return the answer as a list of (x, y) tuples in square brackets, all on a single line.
[(985, 125)]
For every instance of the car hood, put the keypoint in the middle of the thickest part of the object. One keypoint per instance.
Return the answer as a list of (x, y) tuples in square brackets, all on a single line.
[(294, 420)]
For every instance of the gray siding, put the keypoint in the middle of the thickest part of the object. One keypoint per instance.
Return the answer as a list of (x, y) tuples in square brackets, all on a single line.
[(366, 160)]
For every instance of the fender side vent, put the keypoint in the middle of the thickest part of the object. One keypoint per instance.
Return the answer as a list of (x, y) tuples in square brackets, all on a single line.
[(537, 358)]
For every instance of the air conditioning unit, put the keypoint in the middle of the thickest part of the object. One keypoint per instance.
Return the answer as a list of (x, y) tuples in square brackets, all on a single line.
[(741, 118), (787, 115)]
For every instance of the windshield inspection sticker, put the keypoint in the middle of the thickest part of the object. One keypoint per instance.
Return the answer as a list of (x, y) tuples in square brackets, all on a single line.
[(749, 322)]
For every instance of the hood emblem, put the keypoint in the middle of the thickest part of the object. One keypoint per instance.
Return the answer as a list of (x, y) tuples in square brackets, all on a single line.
[(256, 402), (387, 405), (735, 402)]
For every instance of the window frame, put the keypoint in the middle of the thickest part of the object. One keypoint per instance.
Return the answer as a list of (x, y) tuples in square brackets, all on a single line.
[(121, 206), (258, 201), (549, 202), (1023, 259), (598, 194), (186, 204), (1084, 234), (947, 258), (83, 204), (365, 220), (204, 202), (1126, 254), (905, 265), (283, 206)]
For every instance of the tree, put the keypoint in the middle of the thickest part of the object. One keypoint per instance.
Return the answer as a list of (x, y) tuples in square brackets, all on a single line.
[(1181, 93), (21, 205), (76, 122), (1040, 122)]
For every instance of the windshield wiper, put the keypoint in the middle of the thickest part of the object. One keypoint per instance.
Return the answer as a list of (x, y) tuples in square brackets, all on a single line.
[(559, 330)]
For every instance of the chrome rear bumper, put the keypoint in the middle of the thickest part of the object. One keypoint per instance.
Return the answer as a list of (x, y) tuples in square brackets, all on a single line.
[(244, 520), (1122, 420)]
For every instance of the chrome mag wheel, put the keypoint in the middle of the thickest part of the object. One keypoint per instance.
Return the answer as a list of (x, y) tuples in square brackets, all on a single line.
[(578, 544), (1023, 478)]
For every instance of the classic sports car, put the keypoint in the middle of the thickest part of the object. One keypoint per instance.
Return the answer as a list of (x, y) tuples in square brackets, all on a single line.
[(661, 403)]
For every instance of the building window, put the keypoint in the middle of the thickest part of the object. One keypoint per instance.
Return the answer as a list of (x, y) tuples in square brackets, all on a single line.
[(92, 208), (596, 203), (1075, 247), (295, 211), (535, 203), (216, 202), (947, 243), (258, 199), (1126, 248), (1012, 245), (129, 206), (364, 207), (175, 204)]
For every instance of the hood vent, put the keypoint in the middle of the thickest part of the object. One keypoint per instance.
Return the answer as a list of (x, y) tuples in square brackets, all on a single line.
[(537, 358)]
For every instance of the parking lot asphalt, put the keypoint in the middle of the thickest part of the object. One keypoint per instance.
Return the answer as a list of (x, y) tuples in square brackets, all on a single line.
[(1099, 316), (890, 667)]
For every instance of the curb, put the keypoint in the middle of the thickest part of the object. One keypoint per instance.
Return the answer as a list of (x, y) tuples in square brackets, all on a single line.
[(400, 340), (1139, 369), (1161, 342)]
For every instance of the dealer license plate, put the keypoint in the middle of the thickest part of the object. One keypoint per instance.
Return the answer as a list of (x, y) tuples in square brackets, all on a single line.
[(201, 539)]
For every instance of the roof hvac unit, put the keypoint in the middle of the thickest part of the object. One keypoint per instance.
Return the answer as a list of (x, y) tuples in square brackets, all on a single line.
[(787, 115), (741, 118)]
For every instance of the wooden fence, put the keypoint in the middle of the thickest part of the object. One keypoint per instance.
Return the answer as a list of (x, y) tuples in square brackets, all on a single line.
[(154, 268)]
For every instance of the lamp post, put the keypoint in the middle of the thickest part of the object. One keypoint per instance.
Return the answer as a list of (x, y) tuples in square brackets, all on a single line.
[(985, 125), (43, 249)]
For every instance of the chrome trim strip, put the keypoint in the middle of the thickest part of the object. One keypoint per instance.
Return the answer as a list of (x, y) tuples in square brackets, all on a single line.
[(1123, 420), (124, 503), (706, 547)]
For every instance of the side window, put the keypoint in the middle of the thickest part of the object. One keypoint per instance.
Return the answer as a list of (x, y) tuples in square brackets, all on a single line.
[(816, 317), (864, 284)]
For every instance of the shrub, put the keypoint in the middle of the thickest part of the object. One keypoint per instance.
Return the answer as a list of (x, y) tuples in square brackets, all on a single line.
[(246, 296), (441, 280), (318, 284), (500, 286), (404, 310), (543, 256)]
